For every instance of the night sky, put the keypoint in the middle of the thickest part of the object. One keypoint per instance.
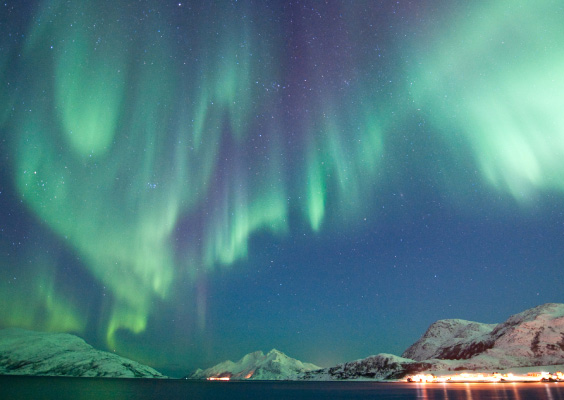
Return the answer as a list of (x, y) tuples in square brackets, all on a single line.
[(186, 182)]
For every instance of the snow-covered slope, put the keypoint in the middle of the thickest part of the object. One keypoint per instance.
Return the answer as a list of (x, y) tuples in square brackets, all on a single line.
[(534, 337), (445, 336), (537, 333), (25, 352), (274, 365), (378, 367)]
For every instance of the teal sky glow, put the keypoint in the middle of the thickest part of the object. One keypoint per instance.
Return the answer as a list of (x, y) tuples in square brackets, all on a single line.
[(186, 182)]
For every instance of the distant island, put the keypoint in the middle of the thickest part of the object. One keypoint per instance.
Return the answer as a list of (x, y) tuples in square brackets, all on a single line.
[(524, 347)]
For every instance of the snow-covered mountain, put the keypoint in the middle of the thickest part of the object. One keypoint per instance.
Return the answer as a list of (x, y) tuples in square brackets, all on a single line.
[(379, 367), (24, 352), (534, 337), (445, 336), (274, 365)]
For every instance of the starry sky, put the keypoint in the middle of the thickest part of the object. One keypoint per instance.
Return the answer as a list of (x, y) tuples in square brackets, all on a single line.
[(185, 182)]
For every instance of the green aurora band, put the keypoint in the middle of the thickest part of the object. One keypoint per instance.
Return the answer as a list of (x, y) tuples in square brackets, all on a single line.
[(125, 140), (156, 152), (491, 79)]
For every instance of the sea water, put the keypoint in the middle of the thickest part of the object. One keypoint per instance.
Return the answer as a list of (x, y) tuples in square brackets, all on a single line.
[(16, 387)]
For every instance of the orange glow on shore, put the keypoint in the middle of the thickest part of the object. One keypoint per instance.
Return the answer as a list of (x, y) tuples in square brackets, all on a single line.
[(488, 377), (216, 378)]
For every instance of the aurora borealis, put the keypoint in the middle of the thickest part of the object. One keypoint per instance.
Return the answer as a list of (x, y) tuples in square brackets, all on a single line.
[(186, 182)]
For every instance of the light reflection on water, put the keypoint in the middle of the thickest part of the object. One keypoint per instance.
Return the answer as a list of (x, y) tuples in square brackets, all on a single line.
[(42, 388), (549, 393), (482, 391)]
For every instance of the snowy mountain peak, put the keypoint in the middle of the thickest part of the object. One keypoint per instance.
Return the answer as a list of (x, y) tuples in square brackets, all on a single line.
[(275, 365), (252, 357), (276, 353)]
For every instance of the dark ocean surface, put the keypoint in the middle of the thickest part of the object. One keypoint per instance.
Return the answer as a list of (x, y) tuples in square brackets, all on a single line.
[(23, 387)]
